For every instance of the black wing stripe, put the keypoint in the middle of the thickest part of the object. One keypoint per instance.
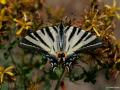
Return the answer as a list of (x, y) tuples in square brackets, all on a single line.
[(53, 48), (54, 33), (89, 43), (75, 38), (55, 28), (28, 42), (84, 35), (79, 31), (37, 42), (90, 35), (67, 34), (94, 41), (92, 38), (42, 40), (67, 28), (32, 36), (90, 47), (42, 31), (45, 37), (69, 31), (68, 48), (79, 41), (49, 33), (72, 33), (61, 31), (96, 45)]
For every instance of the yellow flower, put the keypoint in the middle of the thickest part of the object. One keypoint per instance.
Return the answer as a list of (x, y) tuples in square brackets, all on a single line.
[(93, 22), (118, 60), (113, 9), (2, 17), (5, 71), (24, 24), (3, 2)]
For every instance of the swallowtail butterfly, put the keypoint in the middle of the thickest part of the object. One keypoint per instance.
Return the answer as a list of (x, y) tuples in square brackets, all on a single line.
[(61, 44)]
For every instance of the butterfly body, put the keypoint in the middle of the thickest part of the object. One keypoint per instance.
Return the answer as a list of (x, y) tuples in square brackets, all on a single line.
[(61, 44)]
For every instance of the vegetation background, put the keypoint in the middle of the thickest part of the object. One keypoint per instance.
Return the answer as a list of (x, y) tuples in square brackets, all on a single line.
[(22, 69)]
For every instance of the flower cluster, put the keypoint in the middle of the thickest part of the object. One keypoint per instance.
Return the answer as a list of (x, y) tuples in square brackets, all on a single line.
[(101, 22), (6, 72)]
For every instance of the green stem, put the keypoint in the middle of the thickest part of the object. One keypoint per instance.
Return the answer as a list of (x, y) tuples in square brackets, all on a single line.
[(59, 80)]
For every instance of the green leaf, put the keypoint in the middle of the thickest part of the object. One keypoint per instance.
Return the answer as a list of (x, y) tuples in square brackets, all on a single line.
[(53, 75), (2, 46), (37, 64), (29, 75), (4, 86), (43, 59), (26, 70), (12, 45), (58, 71), (75, 76), (90, 76)]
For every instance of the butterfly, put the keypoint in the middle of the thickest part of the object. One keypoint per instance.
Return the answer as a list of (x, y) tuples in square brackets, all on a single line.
[(61, 44)]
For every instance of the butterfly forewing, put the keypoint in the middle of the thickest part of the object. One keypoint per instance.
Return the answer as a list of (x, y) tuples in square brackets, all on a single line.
[(77, 40), (44, 39)]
